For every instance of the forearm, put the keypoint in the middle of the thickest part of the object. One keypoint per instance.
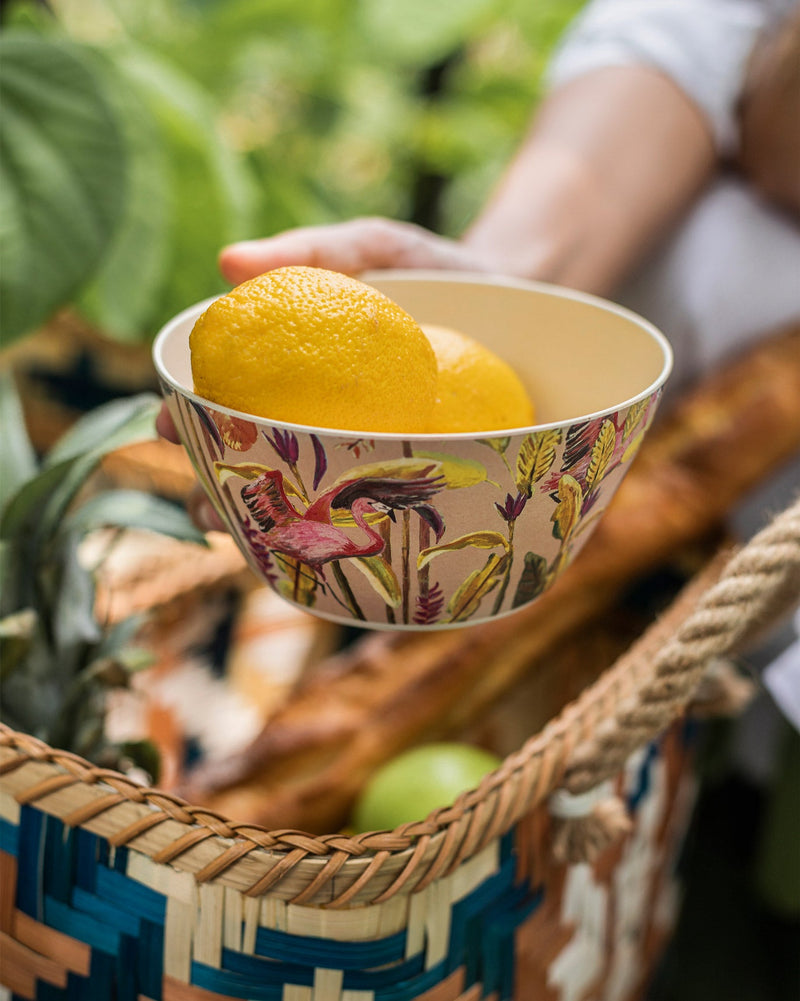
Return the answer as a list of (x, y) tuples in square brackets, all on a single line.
[(613, 160)]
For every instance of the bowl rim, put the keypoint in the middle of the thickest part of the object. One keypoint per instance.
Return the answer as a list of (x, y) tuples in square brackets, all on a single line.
[(444, 276)]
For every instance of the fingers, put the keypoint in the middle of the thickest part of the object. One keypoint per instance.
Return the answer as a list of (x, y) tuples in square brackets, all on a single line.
[(350, 247), (203, 513), (166, 426)]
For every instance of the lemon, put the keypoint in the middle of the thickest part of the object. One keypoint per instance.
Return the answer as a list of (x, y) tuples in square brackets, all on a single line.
[(419, 781), (476, 390), (311, 346)]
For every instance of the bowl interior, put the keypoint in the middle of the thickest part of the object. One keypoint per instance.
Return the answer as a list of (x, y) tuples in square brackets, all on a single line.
[(576, 354)]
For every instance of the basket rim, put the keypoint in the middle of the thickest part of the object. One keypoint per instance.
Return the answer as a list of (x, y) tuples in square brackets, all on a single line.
[(630, 704)]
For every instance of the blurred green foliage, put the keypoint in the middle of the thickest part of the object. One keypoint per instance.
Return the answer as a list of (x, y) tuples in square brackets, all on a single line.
[(198, 122)]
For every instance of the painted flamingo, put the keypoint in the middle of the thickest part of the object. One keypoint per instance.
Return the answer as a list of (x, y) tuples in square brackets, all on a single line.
[(310, 535)]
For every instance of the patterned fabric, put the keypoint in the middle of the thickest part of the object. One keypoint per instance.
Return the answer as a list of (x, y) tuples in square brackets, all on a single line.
[(82, 920)]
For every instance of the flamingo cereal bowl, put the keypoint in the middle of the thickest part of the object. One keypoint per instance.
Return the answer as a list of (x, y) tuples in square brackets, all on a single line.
[(435, 530)]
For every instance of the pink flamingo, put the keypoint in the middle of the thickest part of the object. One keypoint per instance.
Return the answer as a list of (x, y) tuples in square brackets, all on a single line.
[(311, 537)]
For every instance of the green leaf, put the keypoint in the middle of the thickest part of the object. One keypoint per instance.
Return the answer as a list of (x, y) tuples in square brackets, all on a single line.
[(73, 610), (211, 189), (108, 427), (62, 176), (39, 504), (134, 509), (477, 540), (16, 636), (421, 32), (17, 458), (123, 296)]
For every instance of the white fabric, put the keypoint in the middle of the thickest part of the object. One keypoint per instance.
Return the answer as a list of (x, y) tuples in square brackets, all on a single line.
[(730, 273), (782, 679), (703, 45)]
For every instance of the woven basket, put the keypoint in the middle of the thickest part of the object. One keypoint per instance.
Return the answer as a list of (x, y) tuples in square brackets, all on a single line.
[(550, 880)]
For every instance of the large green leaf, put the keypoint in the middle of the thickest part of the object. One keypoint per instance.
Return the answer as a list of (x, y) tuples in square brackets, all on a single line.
[(62, 176), (418, 31), (17, 458), (134, 509), (211, 190), (107, 427), (40, 503), (123, 297)]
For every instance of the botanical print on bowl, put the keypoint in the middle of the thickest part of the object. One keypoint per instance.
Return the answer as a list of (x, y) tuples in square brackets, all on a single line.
[(381, 530)]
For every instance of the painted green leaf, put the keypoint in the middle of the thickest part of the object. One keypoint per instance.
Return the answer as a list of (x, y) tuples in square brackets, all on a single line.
[(381, 577), (62, 176), (458, 472), (466, 600), (535, 458), (602, 454), (532, 581), (568, 509), (476, 540)]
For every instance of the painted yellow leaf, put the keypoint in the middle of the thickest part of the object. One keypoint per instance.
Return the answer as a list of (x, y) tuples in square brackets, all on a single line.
[(381, 577), (602, 453), (633, 447), (632, 418), (477, 540), (478, 584), (225, 471), (535, 458), (498, 445), (243, 470), (399, 469), (342, 517), (457, 472), (568, 509)]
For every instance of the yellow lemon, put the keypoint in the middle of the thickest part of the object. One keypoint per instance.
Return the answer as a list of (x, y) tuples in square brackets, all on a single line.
[(477, 391), (311, 346)]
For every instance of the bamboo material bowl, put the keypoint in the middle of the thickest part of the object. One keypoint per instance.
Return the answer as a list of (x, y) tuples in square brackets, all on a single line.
[(435, 530)]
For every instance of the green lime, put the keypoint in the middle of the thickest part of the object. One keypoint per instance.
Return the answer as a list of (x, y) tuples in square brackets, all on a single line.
[(418, 781)]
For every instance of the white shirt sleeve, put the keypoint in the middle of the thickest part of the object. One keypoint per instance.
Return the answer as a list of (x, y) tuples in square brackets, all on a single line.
[(703, 45)]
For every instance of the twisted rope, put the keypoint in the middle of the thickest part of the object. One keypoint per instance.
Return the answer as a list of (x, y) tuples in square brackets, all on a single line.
[(630, 705)]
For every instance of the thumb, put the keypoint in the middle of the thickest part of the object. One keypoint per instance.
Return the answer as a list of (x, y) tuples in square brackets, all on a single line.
[(348, 247)]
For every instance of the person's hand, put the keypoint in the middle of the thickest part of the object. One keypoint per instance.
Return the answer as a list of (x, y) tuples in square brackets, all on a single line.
[(350, 247)]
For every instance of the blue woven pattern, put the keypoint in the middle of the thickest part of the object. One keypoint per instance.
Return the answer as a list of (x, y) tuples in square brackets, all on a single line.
[(81, 923), (71, 881)]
